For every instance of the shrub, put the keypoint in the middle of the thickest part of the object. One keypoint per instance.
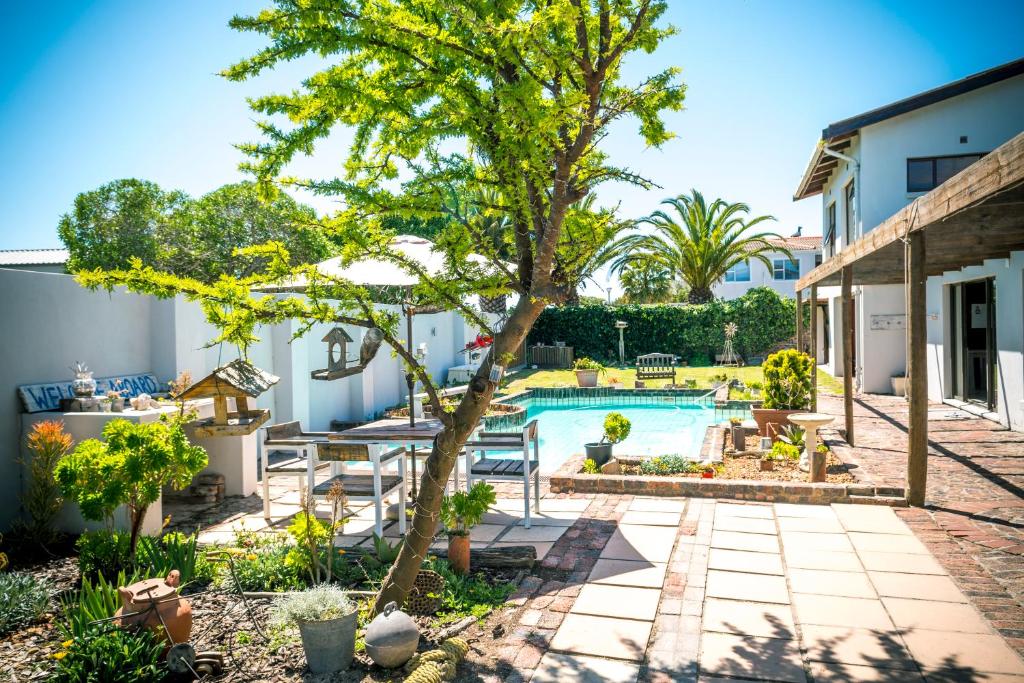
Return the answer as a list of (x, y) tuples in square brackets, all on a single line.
[(584, 363), (471, 595), (96, 599), (784, 451), (175, 550), (102, 553), (130, 468), (590, 467), (616, 428), (48, 443), (693, 332), (669, 464), (111, 655), (319, 603), (463, 510), (23, 599), (793, 435), (787, 380), (260, 569)]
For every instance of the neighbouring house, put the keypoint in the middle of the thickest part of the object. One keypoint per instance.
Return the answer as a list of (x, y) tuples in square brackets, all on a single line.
[(782, 275), (38, 260), (941, 163)]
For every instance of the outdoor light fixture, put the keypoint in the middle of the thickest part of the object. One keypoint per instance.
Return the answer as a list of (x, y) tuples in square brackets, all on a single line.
[(620, 325), (496, 372)]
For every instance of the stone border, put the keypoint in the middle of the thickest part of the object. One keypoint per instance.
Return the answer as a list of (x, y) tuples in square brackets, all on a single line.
[(569, 479)]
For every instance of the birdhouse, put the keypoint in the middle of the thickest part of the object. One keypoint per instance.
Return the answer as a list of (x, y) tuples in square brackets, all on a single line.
[(337, 355), (337, 350), (238, 380)]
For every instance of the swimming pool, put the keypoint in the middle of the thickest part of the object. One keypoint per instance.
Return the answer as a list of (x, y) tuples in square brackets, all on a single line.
[(660, 425)]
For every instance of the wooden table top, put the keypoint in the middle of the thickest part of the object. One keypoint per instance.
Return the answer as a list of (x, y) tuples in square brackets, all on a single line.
[(391, 430)]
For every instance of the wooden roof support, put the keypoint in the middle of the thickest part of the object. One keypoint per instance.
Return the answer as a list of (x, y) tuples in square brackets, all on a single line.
[(917, 381), (848, 342), (814, 348), (799, 320)]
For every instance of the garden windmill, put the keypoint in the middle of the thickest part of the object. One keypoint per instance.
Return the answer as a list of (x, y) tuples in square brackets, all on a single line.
[(729, 356)]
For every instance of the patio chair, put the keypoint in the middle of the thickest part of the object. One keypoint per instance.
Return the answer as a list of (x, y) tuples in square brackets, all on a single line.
[(285, 452), (507, 469), (373, 487)]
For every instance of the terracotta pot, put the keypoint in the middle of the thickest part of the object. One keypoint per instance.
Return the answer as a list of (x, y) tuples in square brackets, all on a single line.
[(586, 378), (767, 465), (149, 601), (707, 474), (458, 553), (765, 416)]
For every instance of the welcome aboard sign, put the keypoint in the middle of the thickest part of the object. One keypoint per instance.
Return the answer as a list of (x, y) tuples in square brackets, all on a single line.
[(39, 397)]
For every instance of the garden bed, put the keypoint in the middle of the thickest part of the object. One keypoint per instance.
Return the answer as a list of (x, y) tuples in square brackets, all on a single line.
[(747, 466)]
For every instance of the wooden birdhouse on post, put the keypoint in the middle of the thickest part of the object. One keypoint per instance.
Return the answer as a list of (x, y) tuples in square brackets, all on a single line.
[(337, 354), (241, 381)]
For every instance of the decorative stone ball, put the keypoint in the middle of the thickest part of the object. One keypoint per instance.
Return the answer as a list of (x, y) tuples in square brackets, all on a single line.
[(392, 637)]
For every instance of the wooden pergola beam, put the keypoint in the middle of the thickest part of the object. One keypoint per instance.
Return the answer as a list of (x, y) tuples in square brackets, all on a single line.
[(848, 341), (799, 320), (814, 348)]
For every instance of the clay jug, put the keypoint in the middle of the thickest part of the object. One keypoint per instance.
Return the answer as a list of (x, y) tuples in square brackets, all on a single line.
[(148, 602)]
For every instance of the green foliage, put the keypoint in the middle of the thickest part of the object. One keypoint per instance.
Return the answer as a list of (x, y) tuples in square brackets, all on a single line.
[(159, 556), (698, 242), (264, 568), (109, 654), (471, 595), (319, 603), (463, 510), (590, 467), (194, 238), (314, 540), (647, 281), (616, 428), (130, 468), (669, 464), (23, 599), (103, 553), (784, 451), (47, 443), (384, 553), (584, 363), (793, 435), (692, 332), (96, 599), (787, 380)]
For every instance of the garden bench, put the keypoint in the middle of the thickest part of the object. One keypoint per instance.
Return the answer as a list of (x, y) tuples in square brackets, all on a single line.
[(656, 366)]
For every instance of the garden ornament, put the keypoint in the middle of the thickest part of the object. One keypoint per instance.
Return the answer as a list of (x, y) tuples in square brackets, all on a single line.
[(434, 666), (392, 637), (155, 604)]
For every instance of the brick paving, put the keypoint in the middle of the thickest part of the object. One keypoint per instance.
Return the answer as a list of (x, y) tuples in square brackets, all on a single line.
[(973, 521)]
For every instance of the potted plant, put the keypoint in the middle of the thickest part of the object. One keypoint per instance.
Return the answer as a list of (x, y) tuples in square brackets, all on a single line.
[(460, 512), (738, 434), (755, 389), (587, 371), (768, 461), (327, 622), (616, 429), (899, 383), (116, 401), (787, 388), (708, 472)]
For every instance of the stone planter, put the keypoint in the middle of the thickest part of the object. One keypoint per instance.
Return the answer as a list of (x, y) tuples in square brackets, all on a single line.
[(767, 465), (329, 645), (599, 452), (586, 378), (738, 435), (766, 416)]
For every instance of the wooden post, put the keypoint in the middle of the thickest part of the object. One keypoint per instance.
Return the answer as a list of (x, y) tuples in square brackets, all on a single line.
[(799, 320), (917, 380), (814, 348), (848, 316)]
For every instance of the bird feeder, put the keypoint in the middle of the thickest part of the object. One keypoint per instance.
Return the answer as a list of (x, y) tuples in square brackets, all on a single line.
[(241, 381), (337, 354), (621, 325)]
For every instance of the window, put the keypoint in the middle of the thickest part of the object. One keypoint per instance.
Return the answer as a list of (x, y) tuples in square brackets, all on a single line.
[(829, 243), (817, 260), (927, 173), (785, 269), (851, 214), (738, 273)]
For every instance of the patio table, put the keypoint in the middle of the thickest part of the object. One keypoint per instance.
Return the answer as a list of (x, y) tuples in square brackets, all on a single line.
[(392, 431)]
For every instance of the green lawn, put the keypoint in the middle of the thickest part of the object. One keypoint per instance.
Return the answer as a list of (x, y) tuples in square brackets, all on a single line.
[(524, 379)]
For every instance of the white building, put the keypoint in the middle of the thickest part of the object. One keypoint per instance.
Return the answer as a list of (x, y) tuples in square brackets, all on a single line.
[(868, 167), (39, 260), (783, 274)]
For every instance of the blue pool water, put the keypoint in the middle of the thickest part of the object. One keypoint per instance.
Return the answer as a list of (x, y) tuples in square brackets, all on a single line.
[(657, 428)]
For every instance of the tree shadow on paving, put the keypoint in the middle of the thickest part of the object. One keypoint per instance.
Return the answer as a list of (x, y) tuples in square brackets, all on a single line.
[(875, 656)]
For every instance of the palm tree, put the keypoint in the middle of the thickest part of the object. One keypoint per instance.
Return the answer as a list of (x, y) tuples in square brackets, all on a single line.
[(698, 242), (591, 239), (646, 282)]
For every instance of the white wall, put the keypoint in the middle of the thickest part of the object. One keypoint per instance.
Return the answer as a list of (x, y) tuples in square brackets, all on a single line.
[(761, 276), (1009, 285), (50, 322)]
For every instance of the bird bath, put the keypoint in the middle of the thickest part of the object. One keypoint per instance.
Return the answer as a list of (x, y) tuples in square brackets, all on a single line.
[(811, 460)]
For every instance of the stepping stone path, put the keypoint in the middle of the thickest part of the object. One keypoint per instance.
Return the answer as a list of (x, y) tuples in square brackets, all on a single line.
[(699, 590)]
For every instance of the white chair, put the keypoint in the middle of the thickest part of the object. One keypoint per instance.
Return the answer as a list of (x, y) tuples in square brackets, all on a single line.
[(284, 452), (374, 487), (507, 469)]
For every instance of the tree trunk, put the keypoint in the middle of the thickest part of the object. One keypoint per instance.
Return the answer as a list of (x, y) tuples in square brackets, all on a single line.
[(447, 446), (573, 299), (700, 295)]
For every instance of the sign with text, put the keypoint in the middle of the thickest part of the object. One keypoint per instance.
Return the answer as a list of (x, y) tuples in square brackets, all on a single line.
[(39, 397)]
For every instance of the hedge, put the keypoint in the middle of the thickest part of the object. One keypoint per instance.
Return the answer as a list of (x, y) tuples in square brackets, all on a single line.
[(695, 332)]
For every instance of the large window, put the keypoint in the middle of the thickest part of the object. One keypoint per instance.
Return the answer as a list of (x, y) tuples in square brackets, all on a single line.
[(927, 173), (785, 269), (738, 273), (830, 231)]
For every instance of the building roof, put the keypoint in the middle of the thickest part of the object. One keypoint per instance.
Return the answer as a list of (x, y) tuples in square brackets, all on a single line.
[(837, 135), (33, 257), (803, 243)]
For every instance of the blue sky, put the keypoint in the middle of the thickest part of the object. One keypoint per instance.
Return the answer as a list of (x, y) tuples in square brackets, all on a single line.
[(90, 92)]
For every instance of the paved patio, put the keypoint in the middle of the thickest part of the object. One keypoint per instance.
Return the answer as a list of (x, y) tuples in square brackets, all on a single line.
[(974, 518)]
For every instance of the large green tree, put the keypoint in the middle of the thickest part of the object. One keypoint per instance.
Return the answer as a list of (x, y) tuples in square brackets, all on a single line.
[(195, 238), (442, 97), (699, 241), (646, 281)]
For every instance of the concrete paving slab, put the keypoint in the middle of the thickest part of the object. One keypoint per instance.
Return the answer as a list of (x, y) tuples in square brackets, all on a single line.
[(823, 559), (831, 672), (746, 586), (749, 525), (870, 518), (801, 540), (640, 543), (772, 659), (745, 561), (887, 543), (919, 586), (628, 573), (804, 511), (966, 653), (657, 505), (906, 563), (618, 602), (601, 636), (742, 510), (650, 518), (830, 610), (860, 647), (541, 547), (823, 582), (913, 615), (748, 618), (810, 524), (556, 667), (534, 533), (734, 540)]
